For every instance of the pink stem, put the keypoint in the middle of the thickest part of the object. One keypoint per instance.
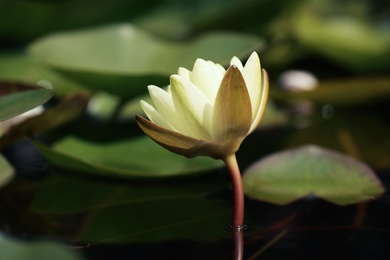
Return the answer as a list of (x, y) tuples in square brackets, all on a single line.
[(238, 192)]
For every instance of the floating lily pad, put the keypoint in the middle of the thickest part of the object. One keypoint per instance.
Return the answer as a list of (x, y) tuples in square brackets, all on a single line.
[(341, 92), (21, 67), (17, 103), (139, 157), (67, 110), (359, 45), (123, 59), (289, 175)]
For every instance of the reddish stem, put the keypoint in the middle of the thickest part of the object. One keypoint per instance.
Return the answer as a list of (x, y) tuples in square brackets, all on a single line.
[(238, 192)]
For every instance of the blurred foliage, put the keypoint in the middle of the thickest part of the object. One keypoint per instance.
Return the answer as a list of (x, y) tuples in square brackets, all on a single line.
[(12, 249), (123, 59), (13, 104), (99, 72)]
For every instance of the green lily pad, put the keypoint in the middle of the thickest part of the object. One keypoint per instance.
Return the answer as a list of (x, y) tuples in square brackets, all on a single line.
[(289, 175), (353, 91), (139, 157), (6, 171), (17, 103), (12, 249), (357, 44), (123, 60), (21, 67), (67, 110)]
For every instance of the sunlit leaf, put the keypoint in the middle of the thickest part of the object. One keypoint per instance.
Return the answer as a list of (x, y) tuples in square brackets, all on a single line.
[(356, 43), (289, 175), (138, 157), (6, 171), (21, 67), (18, 103), (12, 249), (69, 108), (123, 60)]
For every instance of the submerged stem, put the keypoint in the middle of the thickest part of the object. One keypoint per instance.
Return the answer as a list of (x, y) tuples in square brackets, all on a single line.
[(238, 192)]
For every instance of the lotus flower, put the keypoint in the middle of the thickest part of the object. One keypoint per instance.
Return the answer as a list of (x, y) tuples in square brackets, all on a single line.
[(207, 111)]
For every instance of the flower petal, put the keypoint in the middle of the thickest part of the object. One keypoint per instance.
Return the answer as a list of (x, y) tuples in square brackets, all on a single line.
[(263, 101), (184, 72), (217, 68), (236, 61), (190, 106), (252, 76), (163, 102), (154, 115), (232, 117), (179, 143), (207, 78)]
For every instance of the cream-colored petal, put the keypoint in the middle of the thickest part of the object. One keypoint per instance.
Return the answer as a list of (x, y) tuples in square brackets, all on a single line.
[(190, 104), (184, 72), (206, 78), (236, 61), (263, 101), (217, 68), (232, 117), (179, 143), (154, 115), (163, 102), (252, 76)]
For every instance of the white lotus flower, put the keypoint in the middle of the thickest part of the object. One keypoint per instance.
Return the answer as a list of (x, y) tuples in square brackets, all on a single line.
[(207, 111)]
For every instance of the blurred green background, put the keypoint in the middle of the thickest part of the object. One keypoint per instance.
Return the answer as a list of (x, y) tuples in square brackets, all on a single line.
[(99, 56)]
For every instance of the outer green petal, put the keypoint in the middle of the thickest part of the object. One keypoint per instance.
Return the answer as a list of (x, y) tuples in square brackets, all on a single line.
[(190, 106), (232, 117), (263, 101), (179, 143), (252, 76)]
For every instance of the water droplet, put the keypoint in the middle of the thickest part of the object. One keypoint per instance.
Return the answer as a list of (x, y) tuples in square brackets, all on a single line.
[(239, 228)]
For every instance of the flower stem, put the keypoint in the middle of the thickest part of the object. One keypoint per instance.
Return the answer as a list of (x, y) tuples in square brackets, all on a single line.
[(238, 192)]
